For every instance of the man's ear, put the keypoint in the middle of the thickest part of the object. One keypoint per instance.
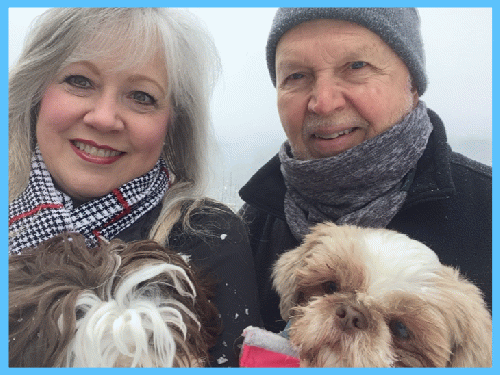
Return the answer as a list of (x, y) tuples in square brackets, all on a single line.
[(414, 91), (416, 98)]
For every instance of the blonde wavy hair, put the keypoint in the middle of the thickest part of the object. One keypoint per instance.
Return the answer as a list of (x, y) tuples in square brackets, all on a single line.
[(61, 36)]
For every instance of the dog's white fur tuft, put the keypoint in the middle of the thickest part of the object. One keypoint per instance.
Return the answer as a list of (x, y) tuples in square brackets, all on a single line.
[(120, 331), (395, 262)]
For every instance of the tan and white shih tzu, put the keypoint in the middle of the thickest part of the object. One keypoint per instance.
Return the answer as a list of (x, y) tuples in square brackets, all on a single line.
[(118, 305), (359, 297)]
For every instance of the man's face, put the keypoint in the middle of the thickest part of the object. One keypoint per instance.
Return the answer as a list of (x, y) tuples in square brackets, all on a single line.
[(338, 84)]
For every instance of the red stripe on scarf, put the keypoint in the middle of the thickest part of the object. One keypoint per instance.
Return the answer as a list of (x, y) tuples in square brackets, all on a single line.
[(35, 210), (126, 210)]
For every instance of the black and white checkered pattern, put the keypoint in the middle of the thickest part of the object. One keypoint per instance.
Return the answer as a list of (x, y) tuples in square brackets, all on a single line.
[(42, 211)]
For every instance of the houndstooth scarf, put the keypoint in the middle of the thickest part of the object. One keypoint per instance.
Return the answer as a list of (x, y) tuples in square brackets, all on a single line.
[(42, 211), (365, 185)]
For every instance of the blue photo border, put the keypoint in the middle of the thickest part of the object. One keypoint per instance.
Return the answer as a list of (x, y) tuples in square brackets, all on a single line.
[(203, 3)]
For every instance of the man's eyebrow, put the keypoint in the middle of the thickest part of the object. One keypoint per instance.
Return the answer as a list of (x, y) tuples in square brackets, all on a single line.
[(288, 60), (290, 64), (361, 51)]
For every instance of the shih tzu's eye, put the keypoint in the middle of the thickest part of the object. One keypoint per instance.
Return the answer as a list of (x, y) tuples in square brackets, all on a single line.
[(399, 330), (79, 313), (301, 298), (329, 287)]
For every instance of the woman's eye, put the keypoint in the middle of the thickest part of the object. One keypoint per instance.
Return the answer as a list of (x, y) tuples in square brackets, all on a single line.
[(358, 65), (399, 330), (143, 98), (78, 81)]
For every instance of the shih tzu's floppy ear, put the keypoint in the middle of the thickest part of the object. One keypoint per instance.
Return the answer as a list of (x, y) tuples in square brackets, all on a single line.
[(286, 270), (285, 279), (44, 284), (469, 320)]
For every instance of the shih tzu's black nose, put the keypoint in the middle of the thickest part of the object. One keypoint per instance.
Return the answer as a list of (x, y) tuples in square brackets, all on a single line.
[(351, 317)]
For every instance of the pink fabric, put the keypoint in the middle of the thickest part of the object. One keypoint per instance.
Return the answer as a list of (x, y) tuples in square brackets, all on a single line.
[(254, 356)]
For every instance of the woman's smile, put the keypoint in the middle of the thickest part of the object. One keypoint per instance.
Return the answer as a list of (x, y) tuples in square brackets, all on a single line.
[(93, 153)]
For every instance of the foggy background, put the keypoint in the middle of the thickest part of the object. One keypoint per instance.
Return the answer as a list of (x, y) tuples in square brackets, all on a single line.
[(458, 48)]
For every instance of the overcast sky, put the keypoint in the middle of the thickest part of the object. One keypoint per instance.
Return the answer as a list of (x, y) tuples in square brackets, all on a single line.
[(458, 48)]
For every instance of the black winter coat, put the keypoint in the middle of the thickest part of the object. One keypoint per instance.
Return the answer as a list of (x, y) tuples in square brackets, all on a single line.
[(224, 252), (448, 208)]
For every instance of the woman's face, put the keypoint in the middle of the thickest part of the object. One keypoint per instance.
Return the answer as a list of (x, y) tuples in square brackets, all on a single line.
[(99, 128)]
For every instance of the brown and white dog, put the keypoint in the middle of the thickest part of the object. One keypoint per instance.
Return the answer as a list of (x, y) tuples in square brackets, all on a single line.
[(118, 305), (359, 297)]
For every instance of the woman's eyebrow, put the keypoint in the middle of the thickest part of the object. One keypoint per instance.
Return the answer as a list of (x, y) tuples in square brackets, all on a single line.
[(141, 77)]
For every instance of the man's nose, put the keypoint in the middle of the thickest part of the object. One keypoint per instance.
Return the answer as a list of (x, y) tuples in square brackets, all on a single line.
[(104, 113), (326, 97)]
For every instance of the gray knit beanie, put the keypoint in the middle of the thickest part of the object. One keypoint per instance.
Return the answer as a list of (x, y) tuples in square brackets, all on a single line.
[(398, 27)]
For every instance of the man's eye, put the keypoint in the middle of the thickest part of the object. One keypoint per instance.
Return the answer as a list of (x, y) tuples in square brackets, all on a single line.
[(358, 64), (295, 76), (78, 81), (143, 98)]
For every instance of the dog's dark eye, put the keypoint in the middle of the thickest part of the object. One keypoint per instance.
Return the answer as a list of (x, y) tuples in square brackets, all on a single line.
[(399, 330), (301, 298), (80, 313), (330, 287)]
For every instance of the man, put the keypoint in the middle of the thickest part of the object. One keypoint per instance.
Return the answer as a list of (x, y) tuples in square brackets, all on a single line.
[(361, 147)]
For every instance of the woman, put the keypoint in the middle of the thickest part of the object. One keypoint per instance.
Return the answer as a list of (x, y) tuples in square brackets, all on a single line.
[(108, 135)]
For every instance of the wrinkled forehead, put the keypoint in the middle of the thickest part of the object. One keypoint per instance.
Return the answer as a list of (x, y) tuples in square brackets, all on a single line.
[(338, 32)]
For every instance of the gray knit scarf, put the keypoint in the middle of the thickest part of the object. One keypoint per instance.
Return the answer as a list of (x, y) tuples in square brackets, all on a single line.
[(361, 186)]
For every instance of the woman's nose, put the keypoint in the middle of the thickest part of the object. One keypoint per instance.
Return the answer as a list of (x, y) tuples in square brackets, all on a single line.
[(326, 97), (104, 113)]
